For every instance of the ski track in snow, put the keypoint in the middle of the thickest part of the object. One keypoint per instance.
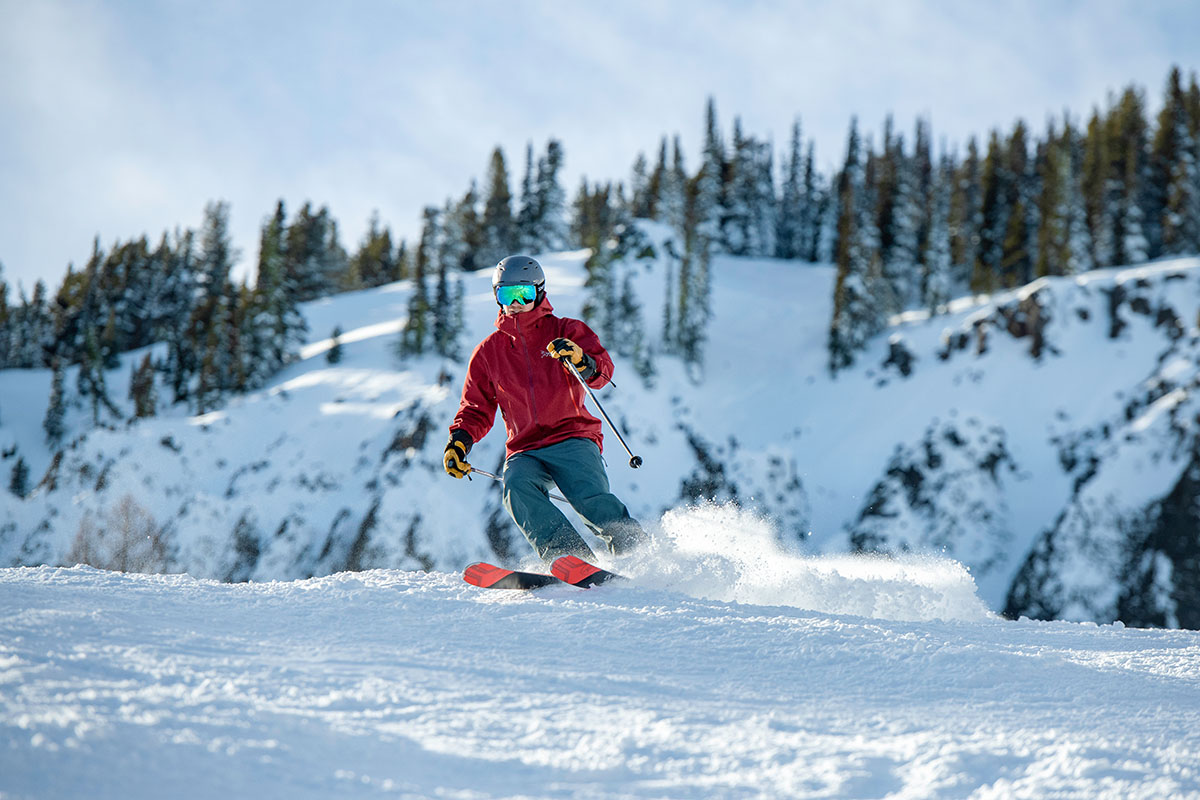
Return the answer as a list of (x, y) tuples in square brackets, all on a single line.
[(402, 684)]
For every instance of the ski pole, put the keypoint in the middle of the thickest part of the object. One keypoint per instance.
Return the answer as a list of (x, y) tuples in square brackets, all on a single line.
[(497, 478), (634, 461)]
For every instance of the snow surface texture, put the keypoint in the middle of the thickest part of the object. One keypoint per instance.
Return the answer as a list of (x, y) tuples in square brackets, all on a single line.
[(1031, 436), (391, 683)]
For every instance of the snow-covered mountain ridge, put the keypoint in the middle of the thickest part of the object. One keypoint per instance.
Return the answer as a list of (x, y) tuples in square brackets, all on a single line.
[(1042, 437)]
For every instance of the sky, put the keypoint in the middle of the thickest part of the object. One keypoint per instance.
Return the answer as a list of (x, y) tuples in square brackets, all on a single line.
[(119, 118)]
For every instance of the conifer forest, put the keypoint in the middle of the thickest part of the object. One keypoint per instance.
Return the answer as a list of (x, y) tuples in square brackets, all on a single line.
[(909, 222)]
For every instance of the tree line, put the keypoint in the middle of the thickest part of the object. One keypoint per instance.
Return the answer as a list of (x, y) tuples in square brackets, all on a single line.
[(906, 229)]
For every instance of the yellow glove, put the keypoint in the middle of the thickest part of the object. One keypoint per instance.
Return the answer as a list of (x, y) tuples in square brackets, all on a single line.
[(454, 459), (567, 351)]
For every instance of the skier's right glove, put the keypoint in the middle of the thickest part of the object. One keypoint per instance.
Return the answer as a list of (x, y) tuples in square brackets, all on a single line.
[(454, 459)]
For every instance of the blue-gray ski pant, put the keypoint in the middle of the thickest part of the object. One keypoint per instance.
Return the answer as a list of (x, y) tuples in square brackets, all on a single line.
[(576, 466)]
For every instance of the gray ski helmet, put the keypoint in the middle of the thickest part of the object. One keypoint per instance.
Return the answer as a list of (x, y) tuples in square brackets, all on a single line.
[(520, 269)]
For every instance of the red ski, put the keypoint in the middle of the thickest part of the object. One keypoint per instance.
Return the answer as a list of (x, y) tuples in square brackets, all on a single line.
[(577, 572), (567, 569), (489, 576)]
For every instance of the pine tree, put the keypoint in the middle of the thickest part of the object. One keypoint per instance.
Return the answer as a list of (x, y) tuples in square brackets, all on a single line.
[(33, 339), (315, 262), (859, 294), (708, 207), (900, 250), (466, 230), (792, 209), (1079, 248), (528, 214), (763, 209), (212, 334), (142, 390), (966, 217), (641, 201), (447, 318), (1017, 254), (279, 328), (1051, 232), (56, 409), (921, 175), (499, 229), (6, 320), (938, 286), (375, 262), (735, 221), (814, 205), (413, 339), (1098, 191), (693, 309), (334, 354), (18, 484), (656, 184), (673, 197), (404, 262), (993, 219), (91, 382), (552, 225), (1128, 136), (1175, 174)]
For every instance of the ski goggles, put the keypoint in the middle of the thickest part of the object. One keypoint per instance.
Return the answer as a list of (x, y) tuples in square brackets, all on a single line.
[(523, 293)]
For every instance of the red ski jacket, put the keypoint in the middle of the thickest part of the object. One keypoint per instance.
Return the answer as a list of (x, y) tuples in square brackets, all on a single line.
[(541, 404)]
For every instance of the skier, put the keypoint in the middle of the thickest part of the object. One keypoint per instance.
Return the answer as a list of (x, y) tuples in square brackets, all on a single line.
[(552, 439)]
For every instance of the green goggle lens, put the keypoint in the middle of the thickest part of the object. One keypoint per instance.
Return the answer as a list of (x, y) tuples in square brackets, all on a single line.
[(523, 293)]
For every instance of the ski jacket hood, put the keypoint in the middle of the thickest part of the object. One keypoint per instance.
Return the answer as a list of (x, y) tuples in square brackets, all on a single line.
[(510, 370)]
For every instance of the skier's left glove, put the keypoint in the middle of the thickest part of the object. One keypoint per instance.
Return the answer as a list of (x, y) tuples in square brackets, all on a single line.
[(567, 351), (454, 459)]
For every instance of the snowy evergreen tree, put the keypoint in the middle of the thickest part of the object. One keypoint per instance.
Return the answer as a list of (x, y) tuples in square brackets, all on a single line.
[(553, 229), (708, 207), (860, 295), (463, 233), (53, 423), (6, 320), (1018, 241), (277, 317), (142, 390), (792, 223), (1052, 228), (694, 312), (447, 303), (966, 217), (334, 354), (18, 484), (1175, 174), (315, 262), (1077, 250), (1099, 192), (528, 214), (673, 197), (735, 221), (1129, 144), (499, 228), (900, 218), (641, 199), (994, 214), (414, 339), (375, 262), (938, 286), (1063, 247)]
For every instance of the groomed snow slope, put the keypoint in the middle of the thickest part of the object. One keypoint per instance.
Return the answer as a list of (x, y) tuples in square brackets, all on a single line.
[(392, 683)]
